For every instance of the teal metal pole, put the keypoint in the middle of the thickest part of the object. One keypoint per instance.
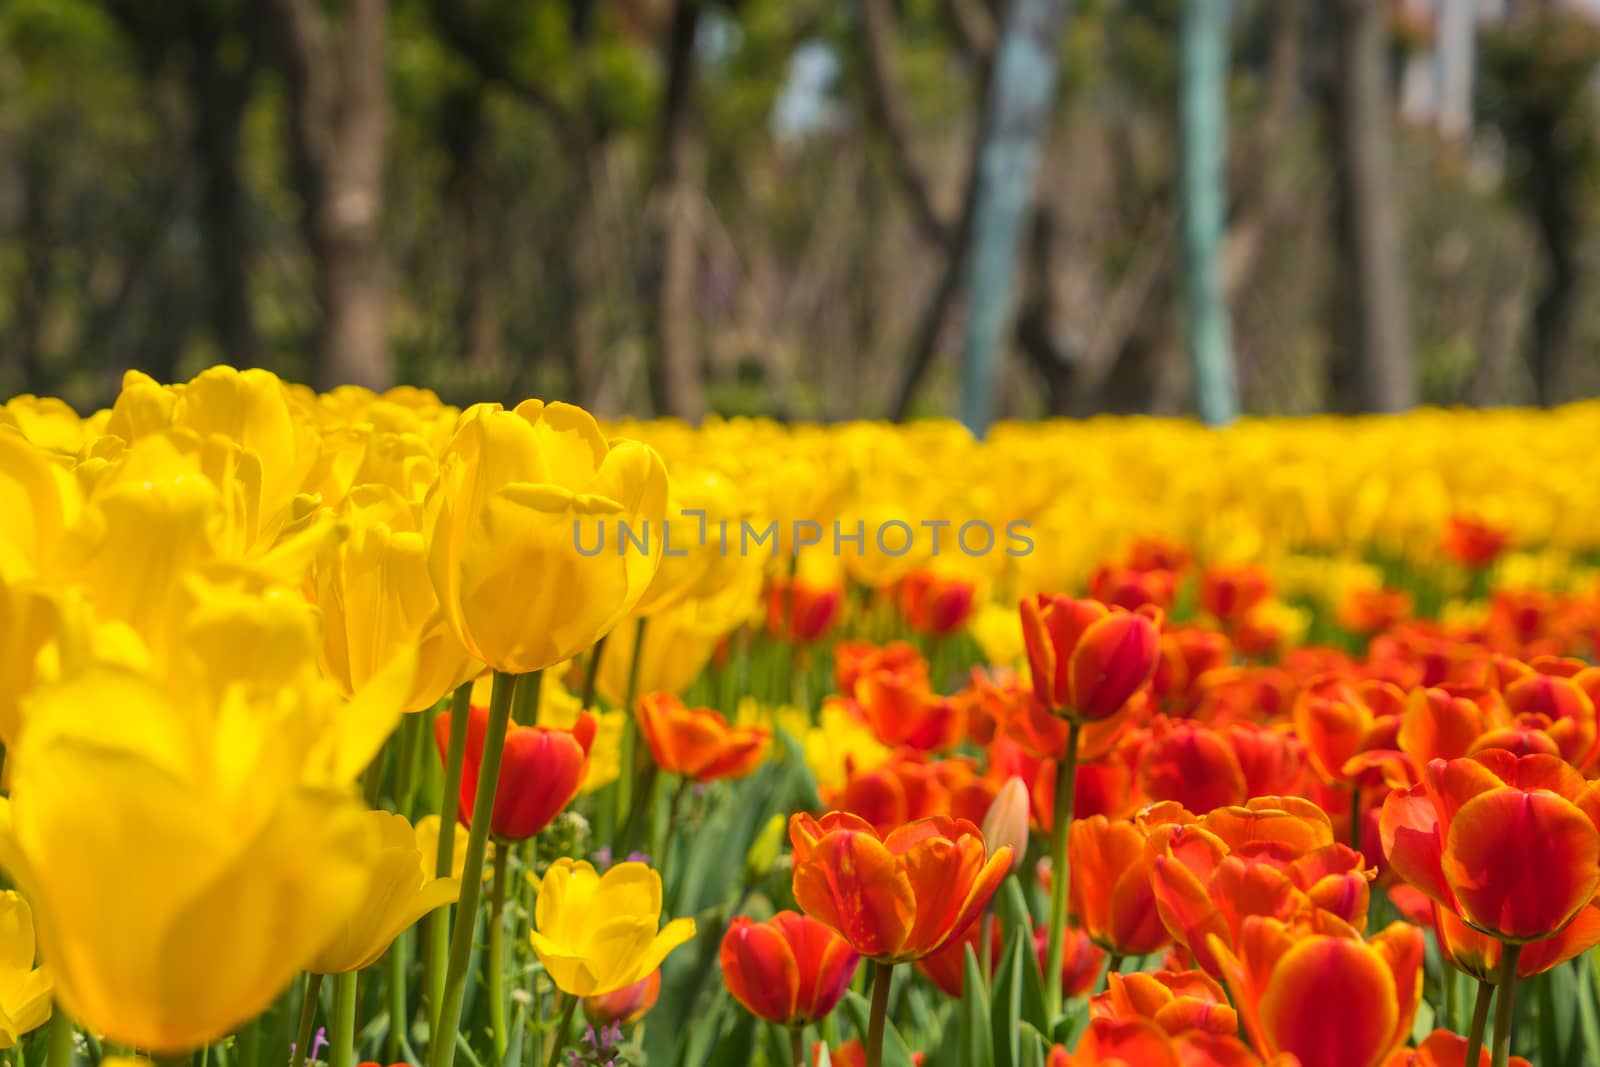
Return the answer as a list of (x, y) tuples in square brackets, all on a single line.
[(1022, 88), (1203, 117)]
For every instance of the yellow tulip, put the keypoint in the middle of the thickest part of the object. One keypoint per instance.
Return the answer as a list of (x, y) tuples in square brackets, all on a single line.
[(428, 841), (24, 988), (515, 490), (30, 615), (175, 897), (377, 601), (401, 889), (39, 499), (597, 933)]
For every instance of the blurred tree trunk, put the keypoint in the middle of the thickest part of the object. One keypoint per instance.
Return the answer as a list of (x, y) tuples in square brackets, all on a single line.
[(335, 77), (221, 80), (1376, 371), (477, 313), (676, 382)]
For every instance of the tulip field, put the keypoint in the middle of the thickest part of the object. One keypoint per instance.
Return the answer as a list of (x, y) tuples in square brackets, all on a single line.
[(351, 728)]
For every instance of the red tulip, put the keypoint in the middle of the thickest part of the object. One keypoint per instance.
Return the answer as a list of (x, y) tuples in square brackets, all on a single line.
[(790, 970), (1088, 660), (541, 771)]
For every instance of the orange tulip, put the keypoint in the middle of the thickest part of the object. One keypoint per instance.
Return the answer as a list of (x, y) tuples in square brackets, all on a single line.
[(1474, 543), (898, 897), (1275, 856), (1125, 587), (1192, 764), (1510, 844), (1231, 593), (1444, 722), (801, 612), (1081, 960), (1478, 954), (1088, 660), (947, 968), (626, 1005), (1137, 1041), (1338, 716), (903, 710), (698, 743), (909, 785), (1560, 707), (853, 660), (1187, 653), (790, 970), (1284, 980), (1111, 887), (1444, 1049), (1370, 611), (1176, 1001), (541, 770), (934, 604), (851, 1054)]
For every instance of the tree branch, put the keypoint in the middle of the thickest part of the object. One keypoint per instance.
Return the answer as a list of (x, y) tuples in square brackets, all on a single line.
[(888, 112)]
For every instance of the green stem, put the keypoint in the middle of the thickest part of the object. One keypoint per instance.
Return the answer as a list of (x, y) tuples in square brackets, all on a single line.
[(664, 858), (1355, 816), (1060, 872), (342, 1038), (497, 948), (630, 731), (797, 1046), (405, 770), (58, 1050), (985, 946), (525, 708), (442, 1052), (449, 808), (1505, 1006), (1113, 966), (880, 1012), (1480, 1022), (399, 1019), (248, 1043), (308, 1018), (559, 1034), (591, 678)]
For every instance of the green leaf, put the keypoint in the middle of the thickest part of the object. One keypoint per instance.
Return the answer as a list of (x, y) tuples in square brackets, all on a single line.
[(1422, 1025), (1012, 907), (895, 1051), (1005, 1010), (514, 1041), (977, 1044), (1034, 1049), (1588, 1018), (738, 1048)]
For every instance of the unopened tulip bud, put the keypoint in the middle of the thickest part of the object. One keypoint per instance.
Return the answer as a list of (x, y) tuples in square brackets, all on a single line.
[(1006, 822)]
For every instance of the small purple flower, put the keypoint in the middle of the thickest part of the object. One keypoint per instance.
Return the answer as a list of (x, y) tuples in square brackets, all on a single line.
[(602, 857), (639, 857), (320, 1042)]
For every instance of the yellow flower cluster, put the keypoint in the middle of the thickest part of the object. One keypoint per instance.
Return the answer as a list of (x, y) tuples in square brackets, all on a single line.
[(218, 599)]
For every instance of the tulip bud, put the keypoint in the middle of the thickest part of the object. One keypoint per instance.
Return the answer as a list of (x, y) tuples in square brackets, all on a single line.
[(764, 849), (626, 1005), (1006, 822)]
